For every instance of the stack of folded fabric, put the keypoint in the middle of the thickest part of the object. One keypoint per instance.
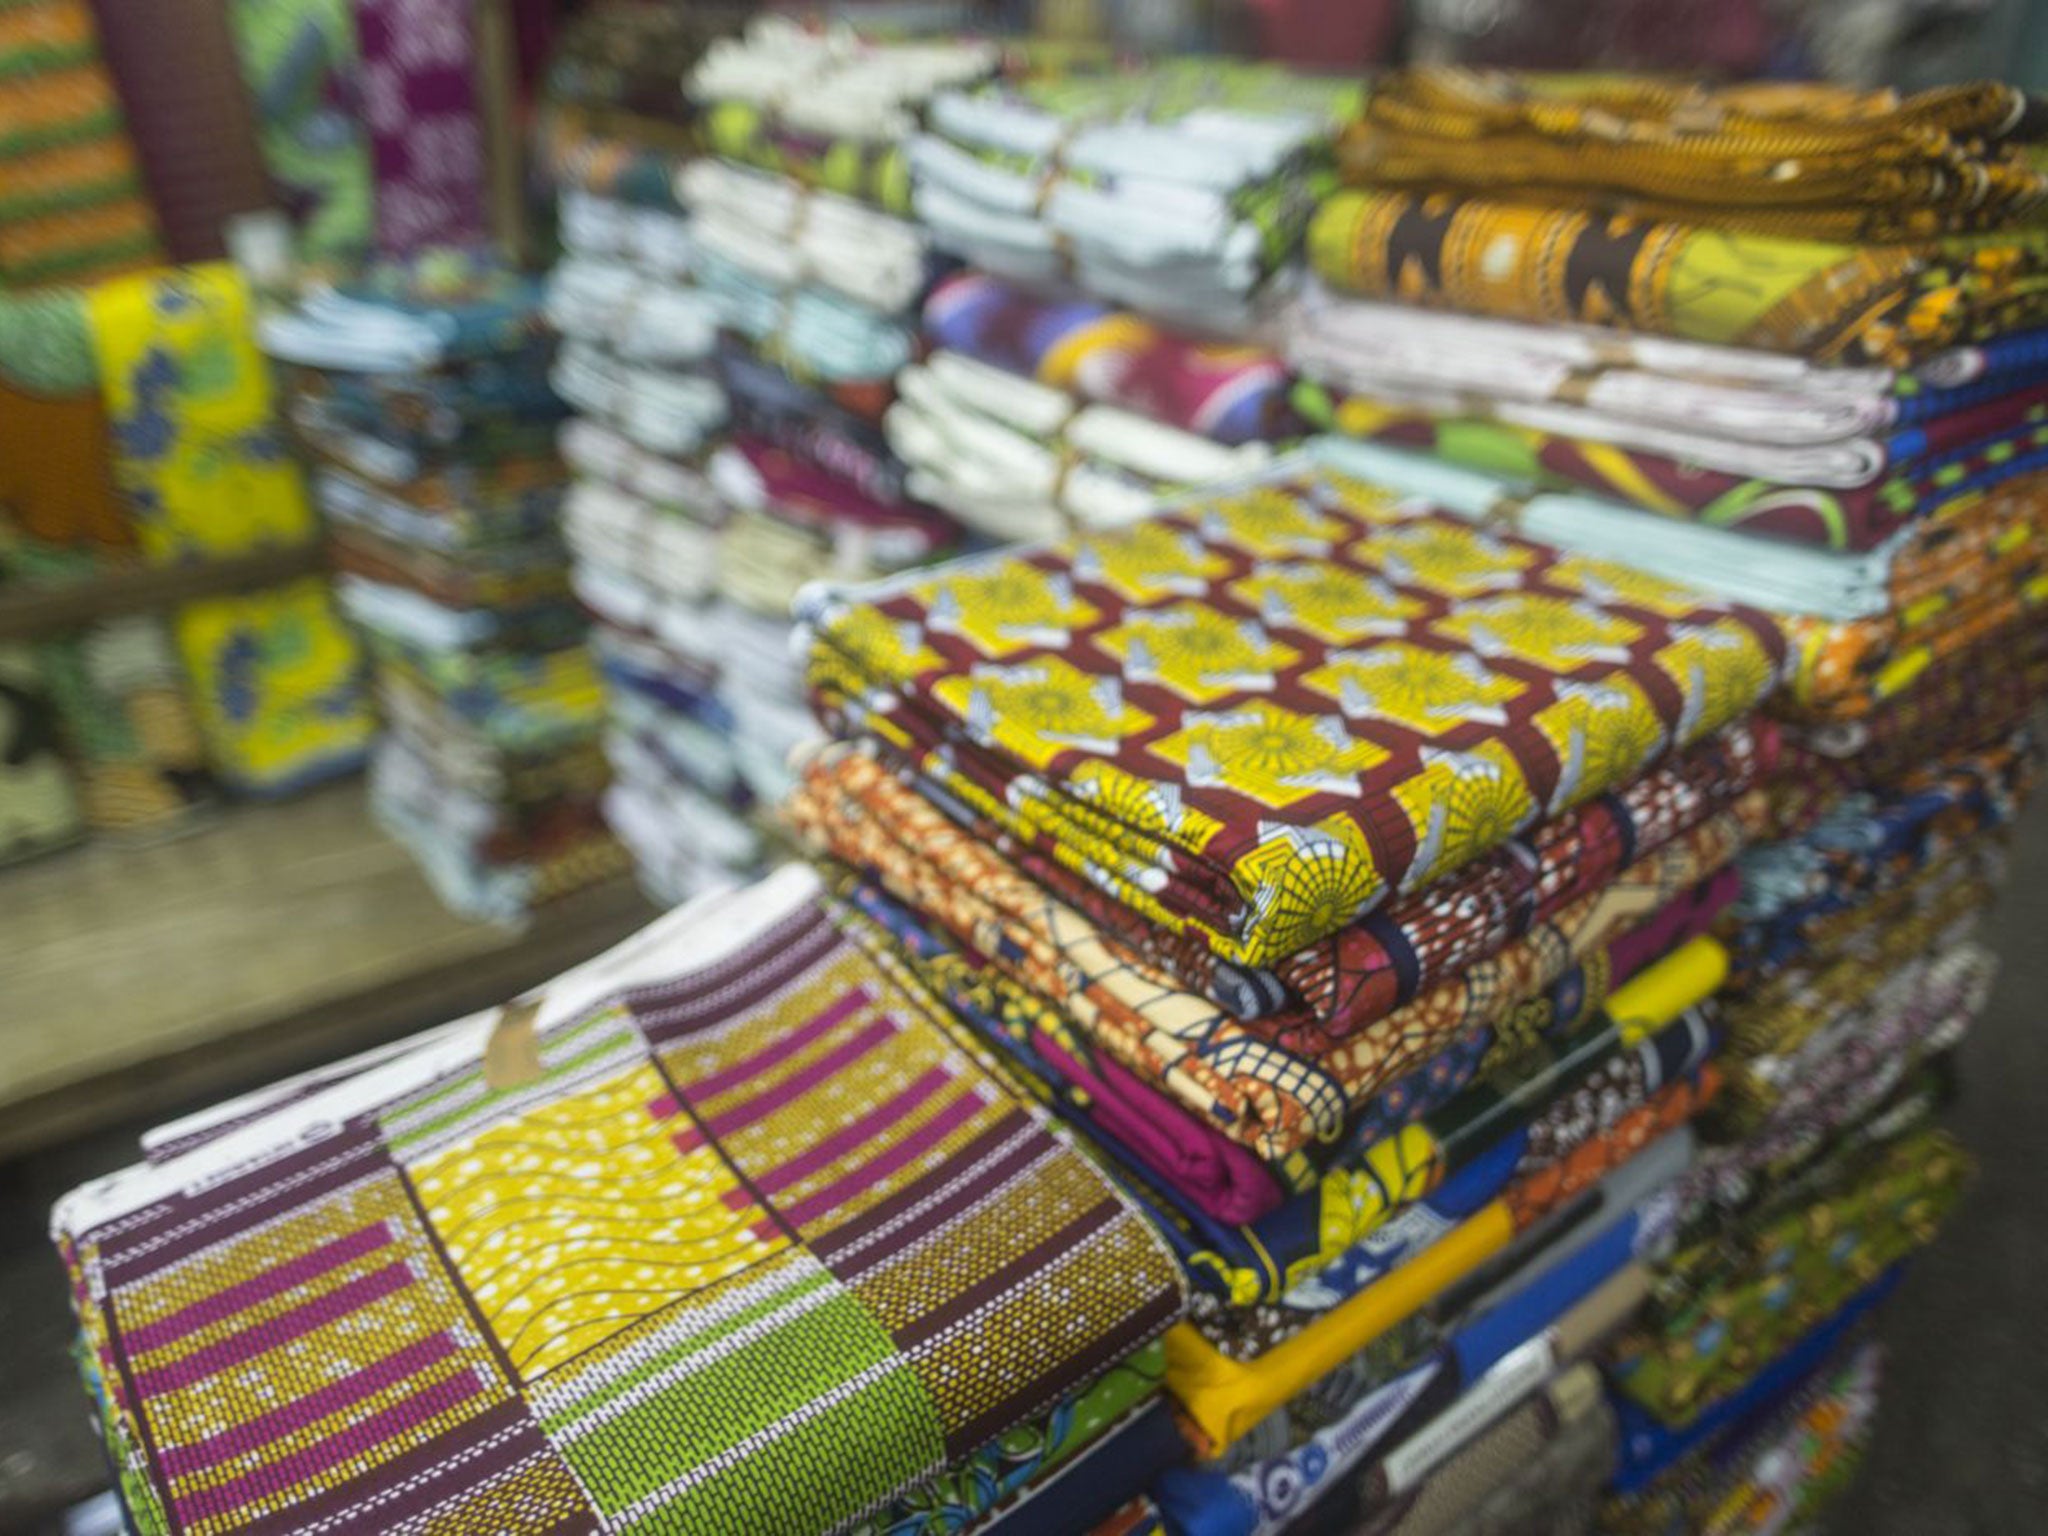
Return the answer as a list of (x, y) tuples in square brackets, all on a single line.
[(730, 356), (1179, 189), (422, 400), (732, 1229), (1786, 344), (1030, 415), (1342, 872)]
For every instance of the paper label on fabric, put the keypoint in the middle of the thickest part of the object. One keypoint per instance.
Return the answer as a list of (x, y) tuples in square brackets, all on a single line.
[(512, 1054), (1513, 1377)]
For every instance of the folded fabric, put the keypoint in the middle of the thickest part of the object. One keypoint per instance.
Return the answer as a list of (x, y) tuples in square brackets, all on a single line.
[(1736, 1300), (1273, 1086), (1019, 460), (810, 331), (789, 235), (1860, 305), (406, 317), (840, 1290), (1224, 1398), (1779, 158), (673, 555), (511, 502), (1953, 458), (1259, 762), (664, 411), (509, 580), (1172, 207), (517, 699), (1227, 393), (639, 317)]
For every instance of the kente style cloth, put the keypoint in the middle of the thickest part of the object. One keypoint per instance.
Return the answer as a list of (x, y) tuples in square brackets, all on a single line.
[(848, 1226), (1230, 393), (1837, 303), (1181, 205), (1736, 1299), (1775, 1473), (1839, 458), (72, 205), (276, 677), (1017, 460), (1781, 158), (1261, 715)]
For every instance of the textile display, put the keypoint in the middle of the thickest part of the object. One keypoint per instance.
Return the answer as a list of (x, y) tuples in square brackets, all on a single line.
[(623, 61), (56, 486), (38, 806), (298, 63), (421, 118), (1740, 1298), (1582, 674), (847, 1261), (1858, 305), (1852, 165), (1181, 205), (72, 208)]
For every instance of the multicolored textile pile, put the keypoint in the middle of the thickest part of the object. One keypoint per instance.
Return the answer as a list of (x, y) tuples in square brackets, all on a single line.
[(1631, 319), (421, 399), (734, 323), (1343, 873)]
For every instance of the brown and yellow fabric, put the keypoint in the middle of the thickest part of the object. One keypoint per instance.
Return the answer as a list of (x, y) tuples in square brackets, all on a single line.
[(1772, 158)]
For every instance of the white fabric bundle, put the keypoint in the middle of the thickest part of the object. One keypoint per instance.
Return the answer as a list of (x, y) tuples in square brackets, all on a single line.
[(830, 83)]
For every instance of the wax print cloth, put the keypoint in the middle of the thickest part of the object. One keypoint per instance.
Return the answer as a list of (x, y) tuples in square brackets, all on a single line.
[(1781, 1471), (365, 1254), (1018, 460), (72, 206), (1228, 392), (1777, 158), (1737, 1300), (56, 483), (133, 736), (423, 122), (1225, 1398), (802, 419), (299, 63), (1261, 716), (1279, 1086), (1860, 305)]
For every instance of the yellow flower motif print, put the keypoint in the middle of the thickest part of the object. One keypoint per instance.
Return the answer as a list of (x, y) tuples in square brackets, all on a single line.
[(1153, 807), (1549, 632), (1303, 883), (1148, 560), (892, 650), (1362, 499), (1438, 555), (1609, 581), (1602, 735), (1040, 709), (1269, 754), (1271, 521), (1003, 608), (1398, 1170), (1461, 805), (1723, 670), (1427, 691), (1327, 601), (1200, 653)]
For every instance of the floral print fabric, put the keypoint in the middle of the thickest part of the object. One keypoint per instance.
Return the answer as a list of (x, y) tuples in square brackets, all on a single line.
[(1261, 716)]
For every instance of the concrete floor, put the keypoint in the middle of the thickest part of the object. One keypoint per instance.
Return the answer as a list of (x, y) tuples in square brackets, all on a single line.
[(1962, 1440)]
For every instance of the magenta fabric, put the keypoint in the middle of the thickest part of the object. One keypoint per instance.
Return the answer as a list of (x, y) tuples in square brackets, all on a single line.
[(427, 156)]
